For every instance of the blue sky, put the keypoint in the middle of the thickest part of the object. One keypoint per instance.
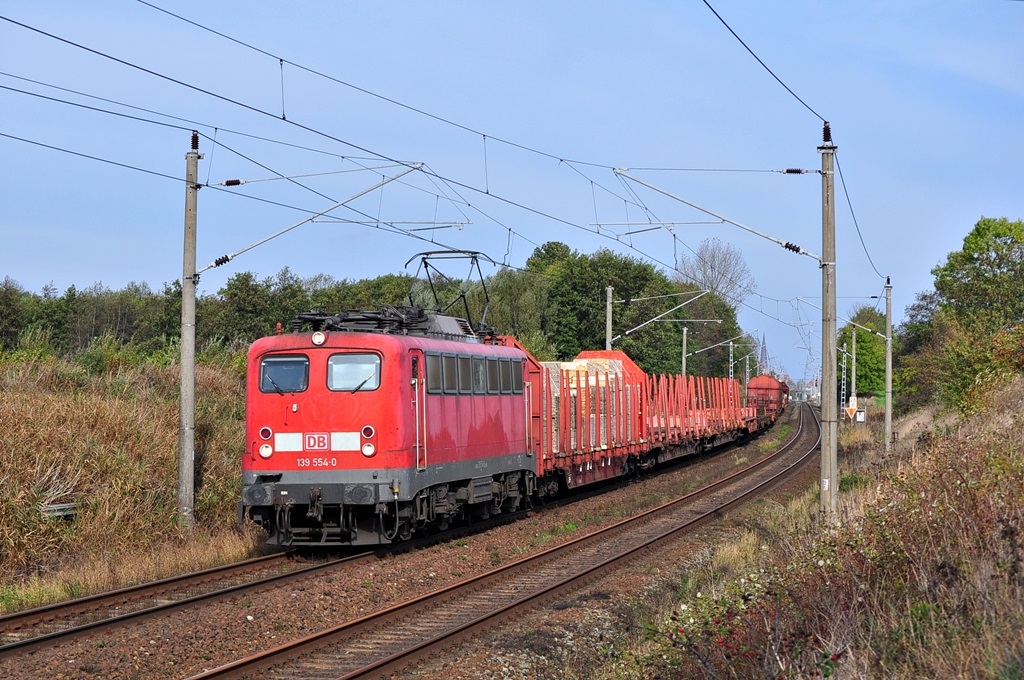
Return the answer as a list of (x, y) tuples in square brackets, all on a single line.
[(925, 102)]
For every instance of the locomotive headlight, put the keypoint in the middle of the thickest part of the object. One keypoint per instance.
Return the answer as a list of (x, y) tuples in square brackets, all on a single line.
[(319, 338), (266, 433), (368, 431), (369, 449), (266, 451)]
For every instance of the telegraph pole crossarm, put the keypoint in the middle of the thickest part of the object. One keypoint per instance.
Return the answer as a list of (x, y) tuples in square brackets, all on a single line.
[(608, 344), (785, 244)]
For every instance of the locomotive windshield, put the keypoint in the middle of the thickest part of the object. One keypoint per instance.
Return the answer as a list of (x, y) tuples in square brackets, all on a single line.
[(353, 372), (284, 373)]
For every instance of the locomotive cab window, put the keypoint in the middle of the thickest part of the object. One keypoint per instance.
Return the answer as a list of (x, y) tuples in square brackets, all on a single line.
[(284, 373), (353, 372)]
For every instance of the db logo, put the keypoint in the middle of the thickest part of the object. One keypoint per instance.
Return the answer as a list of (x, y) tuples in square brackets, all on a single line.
[(316, 441)]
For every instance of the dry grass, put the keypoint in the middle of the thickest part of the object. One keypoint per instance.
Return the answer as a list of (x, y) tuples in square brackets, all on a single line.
[(108, 443), (923, 577)]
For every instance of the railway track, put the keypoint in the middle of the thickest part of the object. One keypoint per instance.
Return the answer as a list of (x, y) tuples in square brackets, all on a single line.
[(32, 629), (62, 622), (384, 643), (26, 630)]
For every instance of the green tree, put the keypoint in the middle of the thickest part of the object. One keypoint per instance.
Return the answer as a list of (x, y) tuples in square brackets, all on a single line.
[(288, 297), (389, 289), (326, 293), (983, 283), (241, 310), (56, 315), (159, 320), (948, 343), (870, 350), (574, 319), (13, 315)]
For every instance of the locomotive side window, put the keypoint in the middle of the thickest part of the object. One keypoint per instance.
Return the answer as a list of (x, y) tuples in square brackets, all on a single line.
[(353, 372), (284, 373), (433, 373), (450, 373), (493, 379), (466, 375), (479, 375), (517, 377), (506, 376)]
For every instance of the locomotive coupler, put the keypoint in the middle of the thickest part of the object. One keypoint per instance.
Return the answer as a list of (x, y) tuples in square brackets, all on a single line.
[(283, 523), (316, 505)]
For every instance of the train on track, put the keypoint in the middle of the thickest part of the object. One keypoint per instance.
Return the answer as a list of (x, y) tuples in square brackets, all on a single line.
[(367, 427)]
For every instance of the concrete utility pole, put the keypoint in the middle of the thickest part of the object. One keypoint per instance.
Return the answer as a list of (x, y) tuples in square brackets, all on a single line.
[(888, 366), (829, 501), (187, 407), (608, 318), (684, 350)]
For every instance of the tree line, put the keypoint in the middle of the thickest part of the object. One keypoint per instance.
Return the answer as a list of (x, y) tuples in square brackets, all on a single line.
[(966, 335), (955, 342), (555, 306), (959, 339)]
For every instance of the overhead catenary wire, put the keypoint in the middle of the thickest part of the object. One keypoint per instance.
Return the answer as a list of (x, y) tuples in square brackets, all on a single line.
[(446, 180), (856, 224), (485, 191), (281, 60), (227, 258), (92, 158), (818, 115), (760, 61), (314, 214), (227, 183)]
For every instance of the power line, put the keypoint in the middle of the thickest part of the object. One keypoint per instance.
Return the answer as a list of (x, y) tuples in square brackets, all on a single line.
[(367, 92), (806, 105), (853, 215), (213, 140), (192, 124), (485, 191), (92, 158), (445, 180), (759, 61), (376, 223), (254, 109)]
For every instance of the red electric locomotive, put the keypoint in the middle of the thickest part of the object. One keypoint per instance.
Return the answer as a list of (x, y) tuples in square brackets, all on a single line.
[(374, 423), (368, 427)]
